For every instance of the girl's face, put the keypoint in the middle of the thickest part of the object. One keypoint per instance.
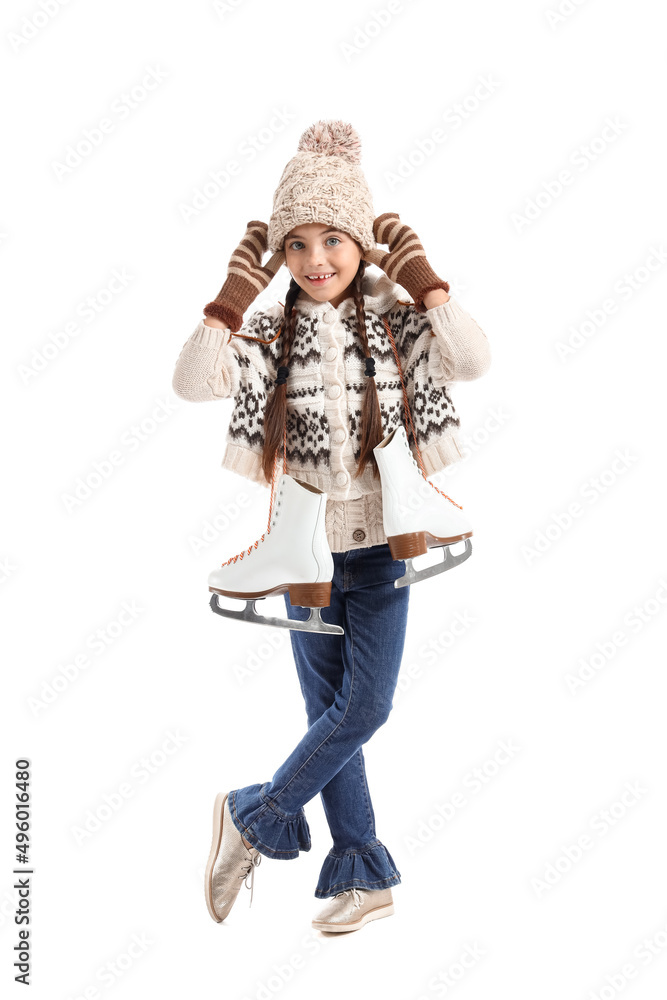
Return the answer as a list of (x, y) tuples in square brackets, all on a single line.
[(315, 248)]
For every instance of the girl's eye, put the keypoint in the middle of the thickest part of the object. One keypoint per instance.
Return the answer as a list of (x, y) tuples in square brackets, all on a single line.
[(296, 243)]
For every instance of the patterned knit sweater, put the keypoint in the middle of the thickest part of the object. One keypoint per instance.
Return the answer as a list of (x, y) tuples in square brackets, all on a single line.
[(325, 392)]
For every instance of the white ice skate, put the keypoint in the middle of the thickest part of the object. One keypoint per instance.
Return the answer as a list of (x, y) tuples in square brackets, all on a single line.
[(293, 555), (416, 515)]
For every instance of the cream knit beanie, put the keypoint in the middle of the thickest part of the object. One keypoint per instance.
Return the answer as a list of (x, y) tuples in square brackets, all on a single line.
[(323, 182)]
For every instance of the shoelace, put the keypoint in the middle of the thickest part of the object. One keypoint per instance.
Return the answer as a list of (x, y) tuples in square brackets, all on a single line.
[(250, 870), (270, 524), (356, 895), (272, 515)]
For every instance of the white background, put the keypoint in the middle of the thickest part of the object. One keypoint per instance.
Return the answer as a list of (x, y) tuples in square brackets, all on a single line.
[(546, 430)]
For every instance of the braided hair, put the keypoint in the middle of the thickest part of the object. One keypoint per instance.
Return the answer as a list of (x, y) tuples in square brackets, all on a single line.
[(371, 420), (275, 413)]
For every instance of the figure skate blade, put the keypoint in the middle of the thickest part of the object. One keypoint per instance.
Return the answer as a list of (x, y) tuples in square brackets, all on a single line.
[(450, 560), (249, 614)]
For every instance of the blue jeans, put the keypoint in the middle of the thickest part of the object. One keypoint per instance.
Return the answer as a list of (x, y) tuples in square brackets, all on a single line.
[(348, 682)]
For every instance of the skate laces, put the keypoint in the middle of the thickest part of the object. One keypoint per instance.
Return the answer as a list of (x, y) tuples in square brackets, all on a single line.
[(254, 545), (408, 416)]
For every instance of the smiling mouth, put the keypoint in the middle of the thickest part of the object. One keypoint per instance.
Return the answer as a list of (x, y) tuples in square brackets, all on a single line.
[(320, 279)]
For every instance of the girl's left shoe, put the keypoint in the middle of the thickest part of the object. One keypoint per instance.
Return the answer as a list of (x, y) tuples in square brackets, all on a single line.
[(352, 908)]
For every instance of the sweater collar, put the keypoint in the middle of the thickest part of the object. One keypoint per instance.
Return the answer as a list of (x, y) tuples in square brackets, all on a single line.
[(380, 295)]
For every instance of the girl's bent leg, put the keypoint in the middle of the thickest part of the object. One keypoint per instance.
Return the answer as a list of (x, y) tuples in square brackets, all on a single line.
[(364, 860), (319, 661), (357, 856), (374, 615)]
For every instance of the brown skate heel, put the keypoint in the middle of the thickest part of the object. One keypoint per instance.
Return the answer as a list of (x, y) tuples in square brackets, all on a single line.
[(407, 546), (310, 595), (415, 543)]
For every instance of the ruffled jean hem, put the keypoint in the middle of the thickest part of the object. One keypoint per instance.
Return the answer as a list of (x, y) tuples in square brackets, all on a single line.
[(369, 867), (273, 832)]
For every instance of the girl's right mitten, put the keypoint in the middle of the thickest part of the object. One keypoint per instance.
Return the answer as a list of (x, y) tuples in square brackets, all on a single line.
[(246, 277)]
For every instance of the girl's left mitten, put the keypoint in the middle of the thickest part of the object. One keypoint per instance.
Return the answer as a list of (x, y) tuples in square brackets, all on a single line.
[(406, 261)]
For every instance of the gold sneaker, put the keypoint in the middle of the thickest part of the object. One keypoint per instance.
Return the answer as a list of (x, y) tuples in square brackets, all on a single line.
[(352, 908), (229, 861)]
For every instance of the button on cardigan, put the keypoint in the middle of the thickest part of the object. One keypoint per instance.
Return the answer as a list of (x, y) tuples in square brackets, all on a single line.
[(325, 391)]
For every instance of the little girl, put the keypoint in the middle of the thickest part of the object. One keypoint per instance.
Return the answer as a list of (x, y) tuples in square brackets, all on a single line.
[(322, 371)]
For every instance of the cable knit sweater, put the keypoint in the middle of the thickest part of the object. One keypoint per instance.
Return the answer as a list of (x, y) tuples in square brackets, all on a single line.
[(325, 392)]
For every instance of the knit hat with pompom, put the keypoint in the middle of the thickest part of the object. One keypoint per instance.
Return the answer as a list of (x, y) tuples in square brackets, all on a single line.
[(324, 183)]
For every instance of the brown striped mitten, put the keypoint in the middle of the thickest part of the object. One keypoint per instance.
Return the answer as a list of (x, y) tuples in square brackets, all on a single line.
[(246, 277), (406, 262)]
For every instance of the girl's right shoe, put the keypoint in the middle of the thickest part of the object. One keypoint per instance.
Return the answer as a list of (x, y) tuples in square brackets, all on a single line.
[(229, 862)]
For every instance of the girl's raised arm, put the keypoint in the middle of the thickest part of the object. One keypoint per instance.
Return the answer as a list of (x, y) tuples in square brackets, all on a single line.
[(208, 366), (460, 352)]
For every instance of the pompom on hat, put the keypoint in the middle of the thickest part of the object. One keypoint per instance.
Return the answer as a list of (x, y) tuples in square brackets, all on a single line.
[(324, 183)]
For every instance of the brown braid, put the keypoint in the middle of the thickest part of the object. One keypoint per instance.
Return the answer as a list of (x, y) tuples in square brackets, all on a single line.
[(371, 421), (275, 412)]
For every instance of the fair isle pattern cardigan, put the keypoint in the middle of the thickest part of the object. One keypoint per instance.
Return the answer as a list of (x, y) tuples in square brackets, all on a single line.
[(325, 392)]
